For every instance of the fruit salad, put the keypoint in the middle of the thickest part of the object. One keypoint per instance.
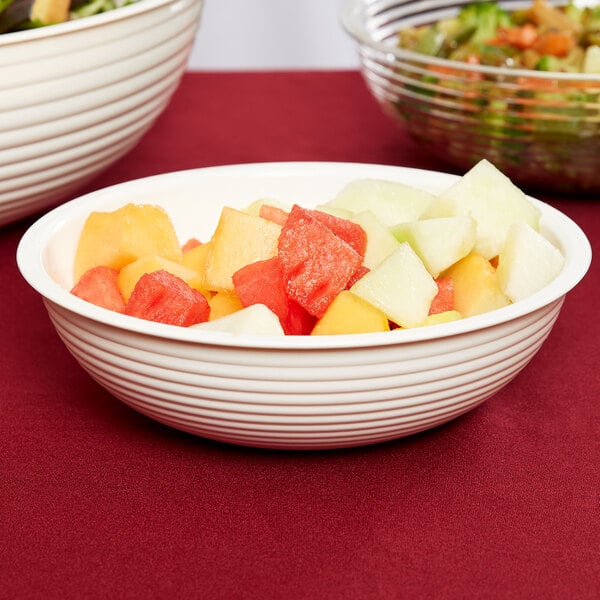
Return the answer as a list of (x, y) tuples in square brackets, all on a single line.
[(378, 256)]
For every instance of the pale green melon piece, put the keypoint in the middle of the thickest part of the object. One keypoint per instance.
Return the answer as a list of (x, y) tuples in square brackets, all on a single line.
[(487, 195), (438, 242), (400, 287), (255, 319), (390, 201), (527, 263), (380, 241)]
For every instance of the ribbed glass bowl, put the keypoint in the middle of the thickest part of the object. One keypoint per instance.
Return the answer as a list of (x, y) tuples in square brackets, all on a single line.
[(77, 96), (542, 129), (293, 392)]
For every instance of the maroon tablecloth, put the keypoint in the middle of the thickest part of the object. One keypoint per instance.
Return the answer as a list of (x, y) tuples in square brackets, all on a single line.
[(98, 501)]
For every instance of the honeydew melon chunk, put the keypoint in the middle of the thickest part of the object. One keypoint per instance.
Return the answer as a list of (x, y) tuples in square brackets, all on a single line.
[(380, 240), (254, 207), (527, 263), (400, 287), (335, 211), (390, 201), (256, 319), (490, 197), (439, 242)]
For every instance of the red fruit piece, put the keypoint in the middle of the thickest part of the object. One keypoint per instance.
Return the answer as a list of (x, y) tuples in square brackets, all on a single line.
[(317, 264), (298, 321), (261, 282), (190, 245), (444, 299), (360, 272), (273, 213), (350, 232), (98, 285), (162, 297)]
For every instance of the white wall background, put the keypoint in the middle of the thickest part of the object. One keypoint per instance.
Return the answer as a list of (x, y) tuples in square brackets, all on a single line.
[(272, 34)]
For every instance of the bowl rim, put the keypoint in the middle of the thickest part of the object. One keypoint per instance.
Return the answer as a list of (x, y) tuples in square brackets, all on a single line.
[(352, 19), (31, 247), (121, 13)]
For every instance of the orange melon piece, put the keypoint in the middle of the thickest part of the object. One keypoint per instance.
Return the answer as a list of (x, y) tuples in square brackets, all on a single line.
[(239, 239), (350, 314), (117, 238), (223, 304), (476, 288), (130, 274), (195, 259)]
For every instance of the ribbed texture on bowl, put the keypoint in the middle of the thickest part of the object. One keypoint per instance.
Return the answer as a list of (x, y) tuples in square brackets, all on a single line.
[(76, 97), (305, 399), (540, 129)]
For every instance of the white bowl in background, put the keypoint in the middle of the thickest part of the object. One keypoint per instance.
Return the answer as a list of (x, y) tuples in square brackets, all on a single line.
[(294, 392), (77, 96)]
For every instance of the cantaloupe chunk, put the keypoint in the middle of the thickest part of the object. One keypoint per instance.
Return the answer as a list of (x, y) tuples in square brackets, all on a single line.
[(350, 314), (223, 304), (441, 317), (239, 239), (195, 259), (130, 274), (116, 238), (476, 287)]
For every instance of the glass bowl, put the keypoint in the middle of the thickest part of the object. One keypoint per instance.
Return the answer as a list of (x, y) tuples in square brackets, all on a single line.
[(542, 129)]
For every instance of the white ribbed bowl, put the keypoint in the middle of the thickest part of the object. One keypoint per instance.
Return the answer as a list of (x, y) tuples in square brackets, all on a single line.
[(296, 392), (77, 96)]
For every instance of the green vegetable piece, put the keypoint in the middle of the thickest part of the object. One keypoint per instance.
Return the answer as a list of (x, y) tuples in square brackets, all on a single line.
[(546, 63), (431, 42)]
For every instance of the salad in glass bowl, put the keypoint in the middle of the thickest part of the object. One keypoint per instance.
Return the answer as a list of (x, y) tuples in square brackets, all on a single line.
[(541, 37), (516, 82)]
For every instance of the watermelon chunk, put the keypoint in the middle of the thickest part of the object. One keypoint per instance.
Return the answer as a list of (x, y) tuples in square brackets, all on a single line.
[(99, 286), (261, 282), (317, 264), (360, 272), (165, 298), (444, 299), (352, 233)]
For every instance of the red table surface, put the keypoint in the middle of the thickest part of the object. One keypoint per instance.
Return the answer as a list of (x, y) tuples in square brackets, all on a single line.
[(98, 501)]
